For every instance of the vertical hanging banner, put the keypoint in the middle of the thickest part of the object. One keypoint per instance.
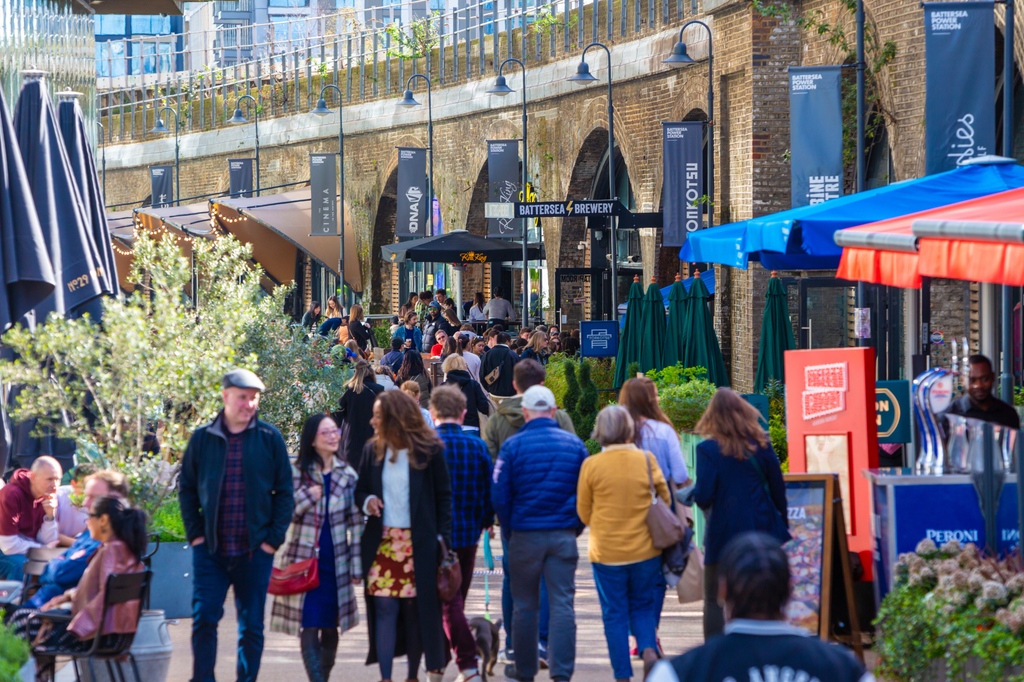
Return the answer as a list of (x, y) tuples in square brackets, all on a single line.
[(959, 75), (323, 190), (815, 134), (161, 186), (503, 181), (240, 178), (683, 184), (412, 219)]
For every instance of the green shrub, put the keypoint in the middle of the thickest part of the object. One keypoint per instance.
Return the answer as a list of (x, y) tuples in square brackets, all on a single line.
[(382, 335), (167, 522), (13, 654), (593, 447), (685, 403), (572, 387), (775, 391), (555, 377), (586, 408), (602, 371)]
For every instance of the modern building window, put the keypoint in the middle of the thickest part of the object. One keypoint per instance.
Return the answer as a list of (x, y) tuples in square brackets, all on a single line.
[(151, 25), (288, 3), (110, 59), (111, 24)]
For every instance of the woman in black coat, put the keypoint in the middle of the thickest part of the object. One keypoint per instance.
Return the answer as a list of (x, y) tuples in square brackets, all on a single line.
[(355, 408), (456, 373), (405, 491), (357, 328)]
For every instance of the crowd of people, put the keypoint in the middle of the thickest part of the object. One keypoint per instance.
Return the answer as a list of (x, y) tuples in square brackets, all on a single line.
[(394, 490)]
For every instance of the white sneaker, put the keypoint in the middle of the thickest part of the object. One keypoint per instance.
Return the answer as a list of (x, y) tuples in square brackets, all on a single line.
[(468, 675), (506, 656)]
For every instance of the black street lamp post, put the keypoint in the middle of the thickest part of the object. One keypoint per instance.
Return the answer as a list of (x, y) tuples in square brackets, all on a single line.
[(322, 110), (103, 160), (239, 118), (502, 89), (679, 58), (409, 101), (583, 75), (161, 129)]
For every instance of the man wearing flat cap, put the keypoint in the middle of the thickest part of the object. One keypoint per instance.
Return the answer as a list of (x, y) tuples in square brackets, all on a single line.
[(236, 501)]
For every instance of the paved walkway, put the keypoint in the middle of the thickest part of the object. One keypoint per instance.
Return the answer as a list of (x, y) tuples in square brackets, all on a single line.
[(680, 630)]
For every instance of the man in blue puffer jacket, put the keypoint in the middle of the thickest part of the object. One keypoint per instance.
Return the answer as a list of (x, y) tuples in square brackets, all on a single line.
[(534, 495)]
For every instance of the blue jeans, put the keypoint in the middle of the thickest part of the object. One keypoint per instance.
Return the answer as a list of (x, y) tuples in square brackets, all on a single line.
[(214, 574), (627, 595), (507, 605), (11, 566)]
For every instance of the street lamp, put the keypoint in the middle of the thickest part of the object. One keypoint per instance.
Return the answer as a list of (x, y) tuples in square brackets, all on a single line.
[(239, 118), (322, 110), (502, 89), (679, 57), (161, 129), (408, 101), (583, 75), (103, 160)]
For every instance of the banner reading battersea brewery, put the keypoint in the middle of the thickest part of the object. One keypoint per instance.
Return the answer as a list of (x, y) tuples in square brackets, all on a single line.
[(323, 188), (815, 134), (503, 180), (161, 186), (412, 219), (959, 101), (683, 184)]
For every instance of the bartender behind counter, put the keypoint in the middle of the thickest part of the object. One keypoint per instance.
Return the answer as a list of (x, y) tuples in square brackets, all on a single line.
[(979, 403)]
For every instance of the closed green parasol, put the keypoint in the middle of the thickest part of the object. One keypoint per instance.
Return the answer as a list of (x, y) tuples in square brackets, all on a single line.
[(702, 349), (675, 336), (776, 335), (629, 343), (652, 335)]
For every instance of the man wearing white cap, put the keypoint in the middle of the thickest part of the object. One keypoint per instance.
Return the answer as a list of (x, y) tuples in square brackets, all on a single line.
[(236, 501), (534, 495)]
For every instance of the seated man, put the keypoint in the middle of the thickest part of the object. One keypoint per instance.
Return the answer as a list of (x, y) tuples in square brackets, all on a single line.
[(28, 508), (64, 572), (71, 514)]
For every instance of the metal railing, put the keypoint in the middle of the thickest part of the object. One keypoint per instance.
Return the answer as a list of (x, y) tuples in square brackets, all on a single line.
[(368, 63)]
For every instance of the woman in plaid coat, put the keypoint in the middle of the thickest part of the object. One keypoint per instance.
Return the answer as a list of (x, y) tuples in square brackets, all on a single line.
[(327, 524)]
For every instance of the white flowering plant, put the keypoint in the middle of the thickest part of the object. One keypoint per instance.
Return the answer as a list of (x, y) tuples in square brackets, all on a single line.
[(953, 605)]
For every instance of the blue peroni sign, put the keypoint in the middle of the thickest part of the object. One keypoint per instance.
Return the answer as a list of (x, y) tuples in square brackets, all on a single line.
[(959, 104)]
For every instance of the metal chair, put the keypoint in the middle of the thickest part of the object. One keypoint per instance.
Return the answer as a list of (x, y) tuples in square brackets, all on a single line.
[(121, 588), (37, 559)]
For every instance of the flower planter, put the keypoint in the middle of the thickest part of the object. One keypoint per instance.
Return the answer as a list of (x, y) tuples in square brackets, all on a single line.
[(970, 672), (171, 591)]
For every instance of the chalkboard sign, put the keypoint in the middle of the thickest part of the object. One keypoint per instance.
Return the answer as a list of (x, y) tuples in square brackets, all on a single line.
[(817, 550)]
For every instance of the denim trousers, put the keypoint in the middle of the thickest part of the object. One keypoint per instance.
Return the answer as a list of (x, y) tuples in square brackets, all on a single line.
[(507, 605), (249, 575), (551, 554), (12, 566), (628, 604)]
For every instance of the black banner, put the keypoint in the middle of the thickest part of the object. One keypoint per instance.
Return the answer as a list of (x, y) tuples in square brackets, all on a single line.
[(815, 134), (412, 219), (161, 186), (503, 180), (240, 178), (959, 100), (323, 190), (683, 184)]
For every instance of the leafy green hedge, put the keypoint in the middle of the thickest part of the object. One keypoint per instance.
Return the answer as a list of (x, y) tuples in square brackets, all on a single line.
[(13, 654), (684, 394)]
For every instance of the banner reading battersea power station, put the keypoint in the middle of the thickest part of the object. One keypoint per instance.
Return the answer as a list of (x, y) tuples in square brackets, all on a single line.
[(959, 108)]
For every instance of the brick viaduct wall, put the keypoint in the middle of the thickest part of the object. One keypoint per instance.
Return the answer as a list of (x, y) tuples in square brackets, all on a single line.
[(567, 139)]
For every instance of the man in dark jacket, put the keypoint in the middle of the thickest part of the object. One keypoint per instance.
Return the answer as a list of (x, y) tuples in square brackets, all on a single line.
[(534, 495), (393, 358), (236, 502), (758, 643), (497, 365)]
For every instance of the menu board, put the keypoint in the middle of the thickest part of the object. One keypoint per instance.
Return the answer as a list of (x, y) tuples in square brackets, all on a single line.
[(819, 556)]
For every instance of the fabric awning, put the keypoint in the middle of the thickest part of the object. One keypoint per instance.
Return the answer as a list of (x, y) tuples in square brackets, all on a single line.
[(979, 241), (802, 238), (191, 219), (121, 225), (278, 227)]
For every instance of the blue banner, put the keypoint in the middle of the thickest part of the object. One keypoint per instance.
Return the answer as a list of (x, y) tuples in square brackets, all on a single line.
[(683, 182), (412, 219), (161, 186), (960, 74), (815, 134), (599, 339)]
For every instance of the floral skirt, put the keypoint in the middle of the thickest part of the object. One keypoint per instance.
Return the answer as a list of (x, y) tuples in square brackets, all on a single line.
[(391, 574)]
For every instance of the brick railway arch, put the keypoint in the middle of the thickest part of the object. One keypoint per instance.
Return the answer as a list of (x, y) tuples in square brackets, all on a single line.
[(383, 232)]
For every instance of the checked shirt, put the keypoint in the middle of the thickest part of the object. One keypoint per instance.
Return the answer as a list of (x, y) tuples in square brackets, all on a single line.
[(469, 465)]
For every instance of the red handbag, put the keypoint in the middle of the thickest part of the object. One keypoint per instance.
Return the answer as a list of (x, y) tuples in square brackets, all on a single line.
[(302, 576)]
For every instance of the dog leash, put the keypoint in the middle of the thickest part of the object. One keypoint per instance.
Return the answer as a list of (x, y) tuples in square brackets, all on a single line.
[(489, 564)]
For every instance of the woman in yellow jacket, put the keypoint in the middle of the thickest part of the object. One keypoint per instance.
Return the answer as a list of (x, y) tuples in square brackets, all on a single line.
[(613, 497)]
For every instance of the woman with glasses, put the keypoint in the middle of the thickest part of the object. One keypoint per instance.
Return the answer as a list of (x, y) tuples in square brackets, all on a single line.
[(325, 524)]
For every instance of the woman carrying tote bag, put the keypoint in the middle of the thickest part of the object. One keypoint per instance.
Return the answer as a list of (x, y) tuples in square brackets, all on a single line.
[(326, 525)]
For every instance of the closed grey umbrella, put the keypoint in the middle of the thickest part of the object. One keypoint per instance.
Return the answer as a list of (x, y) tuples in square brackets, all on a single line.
[(27, 274), (65, 227), (83, 168)]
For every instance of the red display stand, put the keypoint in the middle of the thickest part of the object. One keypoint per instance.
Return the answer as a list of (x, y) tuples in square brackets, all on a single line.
[(831, 428)]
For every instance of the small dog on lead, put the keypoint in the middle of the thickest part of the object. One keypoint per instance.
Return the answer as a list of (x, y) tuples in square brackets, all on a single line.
[(488, 642)]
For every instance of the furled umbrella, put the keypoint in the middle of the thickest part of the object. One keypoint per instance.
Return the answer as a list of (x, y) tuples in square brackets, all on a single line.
[(675, 329), (652, 336), (702, 349), (83, 168), (27, 273), (66, 231), (629, 342), (776, 335)]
